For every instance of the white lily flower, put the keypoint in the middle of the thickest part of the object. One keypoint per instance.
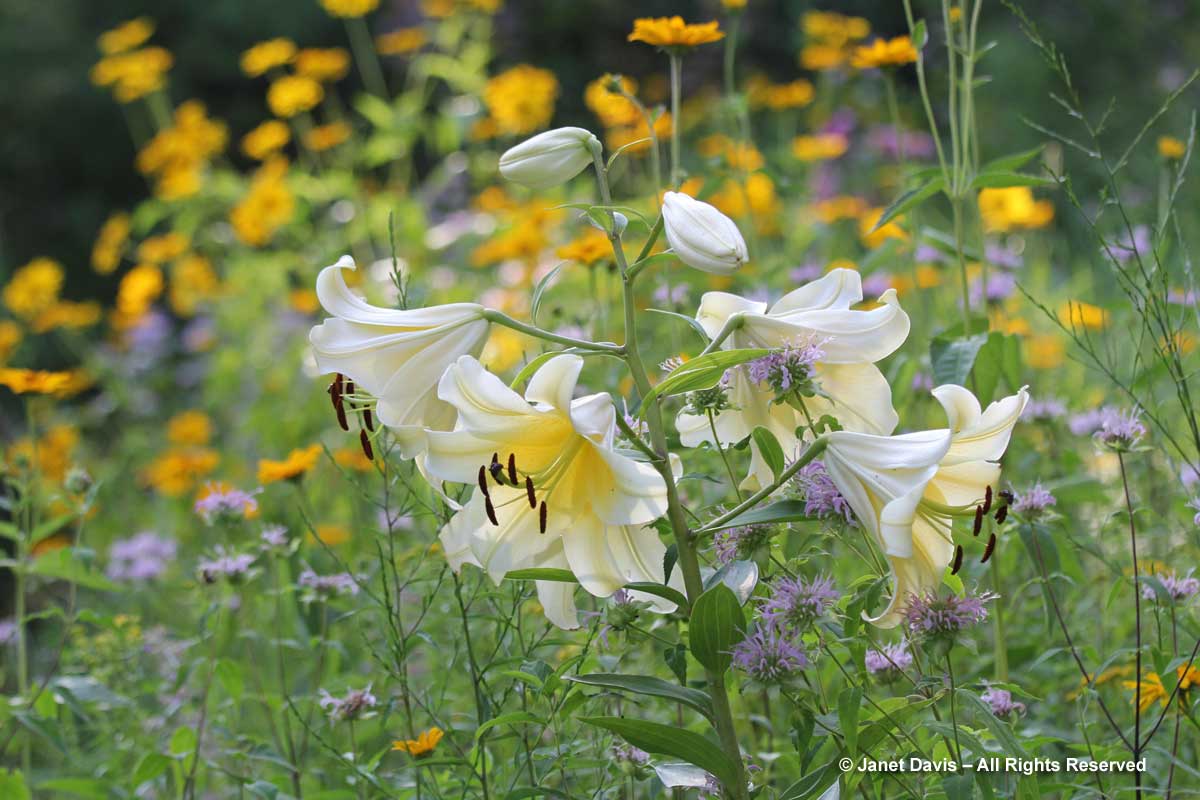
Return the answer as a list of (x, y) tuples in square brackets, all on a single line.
[(553, 490), (855, 391), (702, 236), (550, 158), (398, 356), (898, 486)]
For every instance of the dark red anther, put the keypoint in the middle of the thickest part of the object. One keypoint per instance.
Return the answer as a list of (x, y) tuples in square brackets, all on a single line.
[(368, 420), (335, 390), (366, 445), (1001, 514), (958, 557), (1006, 496), (512, 468), (542, 517), (491, 511), (529, 492), (987, 499), (340, 409), (978, 521), (483, 480), (495, 468), (991, 547)]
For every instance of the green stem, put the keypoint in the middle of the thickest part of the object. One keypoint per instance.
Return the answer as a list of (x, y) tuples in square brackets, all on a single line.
[(812, 451), (365, 57), (733, 481), (689, 563), (1001, 645), (500, 318), (676, 90), (953, 713)]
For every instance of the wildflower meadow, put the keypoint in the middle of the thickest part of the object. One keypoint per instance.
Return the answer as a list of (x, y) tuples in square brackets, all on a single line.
[(737, 400)]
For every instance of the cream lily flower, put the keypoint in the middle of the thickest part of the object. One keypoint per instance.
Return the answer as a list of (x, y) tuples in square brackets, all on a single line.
[(901, 486), (553, 490), (856, 393), (398, 356)]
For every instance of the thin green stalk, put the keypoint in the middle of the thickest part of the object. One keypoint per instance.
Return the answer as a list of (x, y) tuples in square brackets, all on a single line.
[(365, 56), (676, 90), (500, 318), (953, 712), (688, 561), (733, 481), (1001, 646)]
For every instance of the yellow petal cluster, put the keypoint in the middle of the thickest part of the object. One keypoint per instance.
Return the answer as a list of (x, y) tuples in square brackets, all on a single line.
[(110, 243), (266, 56), (322, 64), (349, 8), (266, 139), (177, 156), (820, 147), (133, 75), (293, 94), (762, 93), (674, 32), (401, 41), (126, 36), (1013, 207), (520, 100), (893, 52), (326, 137), (33, 288), (266, 207)]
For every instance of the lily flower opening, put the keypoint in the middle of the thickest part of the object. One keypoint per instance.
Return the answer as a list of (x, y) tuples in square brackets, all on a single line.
[(396, 355), (839, 347), (552, 489)]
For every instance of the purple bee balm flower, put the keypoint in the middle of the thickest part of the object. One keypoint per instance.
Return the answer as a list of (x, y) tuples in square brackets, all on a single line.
[(1003, 256), (841, 122), (1178, 588), (732, 544), (876, 284), (1188, 476), (922, 382), (8, 631), (1181, 298), (1121, 431), (350, 706), (807, 272), (142, 557), (1126, 248), (1000, 286), (888, 663), (225, 564), (225, 504), (274, 537), (932, 615), (769, 655), (1001, 702), (1088, 422), (631, 755), (1033, 503), (787, 370), (1049, 408), (1194, 503), (890, 142), (927, 252), (666, 294), (796, 602), (821, 497), (328, 585)]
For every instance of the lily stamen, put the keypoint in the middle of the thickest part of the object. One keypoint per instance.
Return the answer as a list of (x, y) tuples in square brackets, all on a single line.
[(958, 559), (991, 547)]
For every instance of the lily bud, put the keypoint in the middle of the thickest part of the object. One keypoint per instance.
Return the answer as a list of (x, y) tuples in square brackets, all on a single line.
[(702, 236), (550, 158)]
